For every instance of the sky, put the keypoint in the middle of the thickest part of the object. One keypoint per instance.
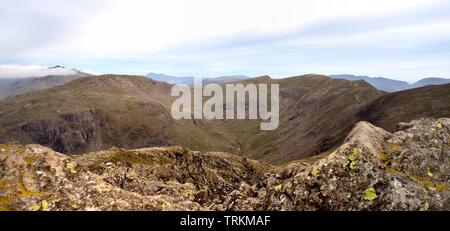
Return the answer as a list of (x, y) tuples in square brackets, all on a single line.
[(402, 39)]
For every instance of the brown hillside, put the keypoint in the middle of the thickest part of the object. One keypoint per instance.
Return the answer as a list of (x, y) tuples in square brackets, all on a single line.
[(97, 113), (392, 108)]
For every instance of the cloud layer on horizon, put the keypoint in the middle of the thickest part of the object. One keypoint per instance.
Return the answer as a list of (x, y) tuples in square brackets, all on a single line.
[(27, 71)]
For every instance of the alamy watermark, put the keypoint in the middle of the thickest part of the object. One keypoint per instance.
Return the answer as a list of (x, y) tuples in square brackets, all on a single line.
[(238, 98)]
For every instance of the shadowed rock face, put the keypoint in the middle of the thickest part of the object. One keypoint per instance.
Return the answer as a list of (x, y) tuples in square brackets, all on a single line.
[(372, 170)]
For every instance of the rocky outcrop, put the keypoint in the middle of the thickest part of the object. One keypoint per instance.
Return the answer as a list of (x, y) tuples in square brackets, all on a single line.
[(34, 177), (372, 170)]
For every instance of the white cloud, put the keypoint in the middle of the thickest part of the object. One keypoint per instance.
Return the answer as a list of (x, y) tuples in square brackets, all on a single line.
[(26, 71), (127, 28), (208, 38)]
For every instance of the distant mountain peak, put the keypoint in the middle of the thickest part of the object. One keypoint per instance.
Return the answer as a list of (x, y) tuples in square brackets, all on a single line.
[(57, 66), (189, 80), (392, 85), (65, 70), (39, 79)]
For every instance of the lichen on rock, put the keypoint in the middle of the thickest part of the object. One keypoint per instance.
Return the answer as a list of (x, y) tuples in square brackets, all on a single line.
[(372, 170)]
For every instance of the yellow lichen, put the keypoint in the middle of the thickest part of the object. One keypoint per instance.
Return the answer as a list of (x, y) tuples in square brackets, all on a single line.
[(74, 206), (133, 174), (383, 156), (23, 150), (429, 173), (5, 200), (52, 168), (355, 154), (352, 165), (393, 170), (370, 194), (35, 207), (44, 205), (165, 204), (314, 171), (442, 187), (428, 183), (278, 187), (24, 192), (188, 193), (71, 168), (352, 158), (29, 160), (396, 148), (425, 207), (14, 191)]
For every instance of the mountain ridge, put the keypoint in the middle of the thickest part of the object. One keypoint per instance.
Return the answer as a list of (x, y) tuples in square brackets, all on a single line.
[(17, 86), (95, 113), (189, 80), (99, 112), (392, 85)]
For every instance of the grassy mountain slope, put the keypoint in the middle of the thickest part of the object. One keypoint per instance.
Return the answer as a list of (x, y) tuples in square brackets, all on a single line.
[(392, 108), (316, 113), (97, 113), (100, 112)]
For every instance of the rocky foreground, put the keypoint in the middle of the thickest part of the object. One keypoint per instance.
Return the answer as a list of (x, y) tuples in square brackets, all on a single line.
[(371, 170)]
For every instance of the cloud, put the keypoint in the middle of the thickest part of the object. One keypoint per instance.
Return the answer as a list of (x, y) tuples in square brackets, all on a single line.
[(212, 38), (383, 44), (29, 25), (26, 71)]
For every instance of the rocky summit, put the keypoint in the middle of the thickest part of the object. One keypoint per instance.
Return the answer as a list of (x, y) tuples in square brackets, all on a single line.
[(373, 169)]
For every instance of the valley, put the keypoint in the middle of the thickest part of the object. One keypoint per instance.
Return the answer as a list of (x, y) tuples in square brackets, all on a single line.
[(224, 106), (99, 112)]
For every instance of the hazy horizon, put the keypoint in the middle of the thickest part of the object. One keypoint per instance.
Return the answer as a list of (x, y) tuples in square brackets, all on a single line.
[(404, 40), (37, 71)]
